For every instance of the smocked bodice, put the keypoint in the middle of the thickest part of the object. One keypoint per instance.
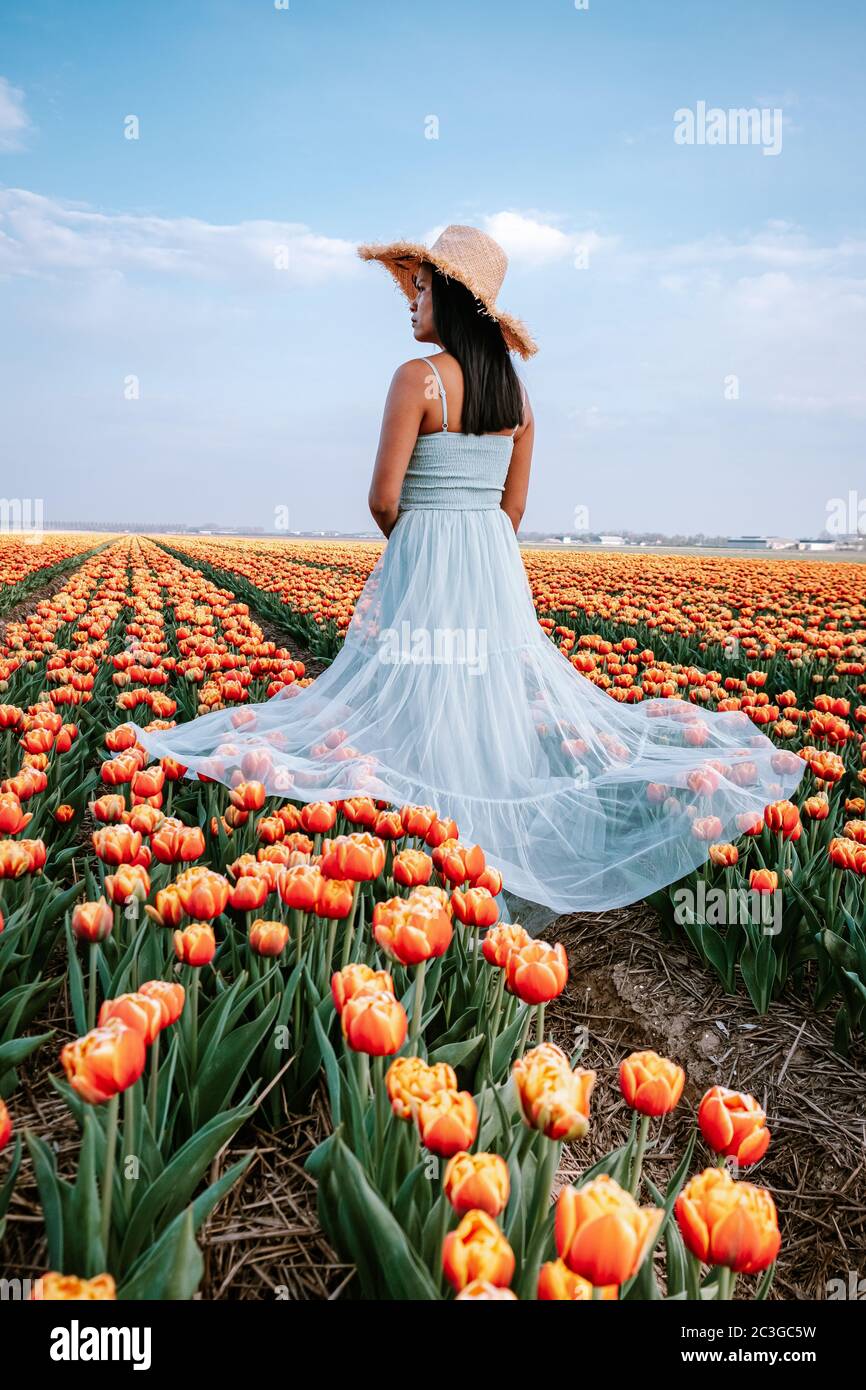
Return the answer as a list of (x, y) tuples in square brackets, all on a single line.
[(456, 472)]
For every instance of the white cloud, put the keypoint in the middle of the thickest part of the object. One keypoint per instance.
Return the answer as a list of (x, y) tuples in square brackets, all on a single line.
[(45, 236), (530, 241), (779, 245), (14, 121)]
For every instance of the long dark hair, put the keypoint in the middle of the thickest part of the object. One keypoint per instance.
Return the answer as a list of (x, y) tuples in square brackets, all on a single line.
[(492, 397)]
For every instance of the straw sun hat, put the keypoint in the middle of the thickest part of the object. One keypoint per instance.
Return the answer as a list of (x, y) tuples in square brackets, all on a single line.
[(464, 254)]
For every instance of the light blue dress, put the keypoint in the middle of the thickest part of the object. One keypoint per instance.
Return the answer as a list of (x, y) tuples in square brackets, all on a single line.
[(448, 693)]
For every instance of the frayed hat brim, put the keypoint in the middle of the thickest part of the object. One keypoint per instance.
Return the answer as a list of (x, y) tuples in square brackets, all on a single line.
[(402, 259)]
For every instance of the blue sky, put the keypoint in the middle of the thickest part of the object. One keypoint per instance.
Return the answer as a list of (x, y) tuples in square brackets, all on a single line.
[(701, 371)]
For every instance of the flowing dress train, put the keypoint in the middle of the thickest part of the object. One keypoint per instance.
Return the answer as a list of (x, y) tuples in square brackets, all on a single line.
[(447, 692)]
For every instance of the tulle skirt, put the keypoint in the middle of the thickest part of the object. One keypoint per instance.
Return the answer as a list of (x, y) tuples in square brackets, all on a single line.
[(447, 692)]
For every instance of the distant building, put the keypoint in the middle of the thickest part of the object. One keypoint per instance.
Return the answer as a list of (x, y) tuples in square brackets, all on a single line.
[(611, 540), (747, 542), (808, 544)]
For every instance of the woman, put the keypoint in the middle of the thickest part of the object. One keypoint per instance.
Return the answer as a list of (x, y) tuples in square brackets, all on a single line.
[(447, 691)]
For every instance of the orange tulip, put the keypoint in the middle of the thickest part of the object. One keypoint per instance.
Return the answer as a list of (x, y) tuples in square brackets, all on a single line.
[(12, 818), (374, 1023), (409, 1082), (203, 893), (557, 1283), (173, 843), (318, 817), (437, 831), (334, 898), (249, 893), (144, 818), (248, 796), (117, 844), (345, 984), (413, 929), (359, 857), (783, 818), (537, 973), (734, 1124), (459, 863), (170, 997), (417, 819), (268, 938), (649, 1083), (148, 783), (601, 1232), (92, 921), (196, 944), (855, 830), (763, 880), (447, 1122), (299, 886), (491, 879), (137, 1011), (501, 940), (475, 908), (104, 1062), (724, 856), (412, 867), (477, 1181), (68, 1288), (477, 1249), (360, 810), (131, 882), (553, 1098), (724, 1222), (14, 859), (168, 911), (483, 1289), (388, 825)]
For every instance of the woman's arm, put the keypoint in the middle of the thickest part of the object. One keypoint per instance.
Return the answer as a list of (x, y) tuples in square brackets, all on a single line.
[(401, 421), (517, 480)]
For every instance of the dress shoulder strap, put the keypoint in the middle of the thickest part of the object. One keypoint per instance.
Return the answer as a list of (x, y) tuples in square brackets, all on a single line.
[(442, 395)]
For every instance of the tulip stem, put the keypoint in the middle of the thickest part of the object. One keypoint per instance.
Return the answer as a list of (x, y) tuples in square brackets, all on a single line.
[(417, 1005), (637, 1162), (726, 1282), (497, 1010), (378, 1096), (524, 1032), (153, 1083), (539, 1025), (546, 1171), (108, 1171), (130, 1116), (193, 1043), (349, 928), (91, 986), (444, 1222), (329, 952), (298, 920)]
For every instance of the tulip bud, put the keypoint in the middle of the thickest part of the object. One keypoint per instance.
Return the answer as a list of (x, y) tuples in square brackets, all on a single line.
[(92, 921)]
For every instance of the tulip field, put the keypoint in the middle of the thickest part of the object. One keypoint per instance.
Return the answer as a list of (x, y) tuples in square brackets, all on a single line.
[(196, 979)]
